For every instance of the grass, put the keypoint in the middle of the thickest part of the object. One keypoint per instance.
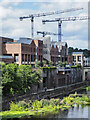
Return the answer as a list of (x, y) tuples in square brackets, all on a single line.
[(44, 106), (16, 114)]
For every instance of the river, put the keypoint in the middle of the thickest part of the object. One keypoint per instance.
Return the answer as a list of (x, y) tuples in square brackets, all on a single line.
[(81, 113)]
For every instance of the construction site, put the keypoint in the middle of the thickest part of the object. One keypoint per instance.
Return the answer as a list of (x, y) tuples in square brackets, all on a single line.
[(31, 49)]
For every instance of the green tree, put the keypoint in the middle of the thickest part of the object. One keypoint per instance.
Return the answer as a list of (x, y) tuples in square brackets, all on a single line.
[(8, 77), (35, 77), (18, 79), (70, 50), (24, 75), (76, 50), (27, 77)]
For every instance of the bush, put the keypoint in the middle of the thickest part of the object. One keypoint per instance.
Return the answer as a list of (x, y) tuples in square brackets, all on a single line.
[(20, 106), (18, 79)]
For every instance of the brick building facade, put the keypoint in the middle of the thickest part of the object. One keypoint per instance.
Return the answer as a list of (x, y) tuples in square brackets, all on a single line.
[(59, 52), (23, 51), (54, 54)]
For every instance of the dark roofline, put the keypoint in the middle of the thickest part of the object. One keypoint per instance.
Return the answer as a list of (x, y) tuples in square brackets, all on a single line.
[(7, 38)]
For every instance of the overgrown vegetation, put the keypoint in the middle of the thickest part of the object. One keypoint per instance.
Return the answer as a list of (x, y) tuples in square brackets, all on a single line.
[(88, 88), (76, 66), (39, 64), (18, 79), (44, 106)]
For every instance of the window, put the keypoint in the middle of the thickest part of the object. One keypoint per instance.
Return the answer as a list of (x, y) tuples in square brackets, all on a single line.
[(16, 57), (39, 57), (22, 48), (59, 53), (31, 49), (25, 57), (79, 58), (74, 58), (32, 58), (39, 44), (51, 45), (58, 58), (28, 58), (22, 57)]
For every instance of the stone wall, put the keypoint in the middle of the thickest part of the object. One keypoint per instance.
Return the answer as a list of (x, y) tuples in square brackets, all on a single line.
[(50, 93), (49, 78)]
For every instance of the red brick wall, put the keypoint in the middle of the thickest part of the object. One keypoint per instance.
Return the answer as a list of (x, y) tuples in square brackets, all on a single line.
[(54, 54)]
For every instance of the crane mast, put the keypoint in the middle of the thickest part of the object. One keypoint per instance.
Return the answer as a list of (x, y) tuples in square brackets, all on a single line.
[(32, 16), (60, 20)]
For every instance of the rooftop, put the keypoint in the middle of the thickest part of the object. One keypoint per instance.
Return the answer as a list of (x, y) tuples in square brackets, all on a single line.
[(77, 52), (22, 40)]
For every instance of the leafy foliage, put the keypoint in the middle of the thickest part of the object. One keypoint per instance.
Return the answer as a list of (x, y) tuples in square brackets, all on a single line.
[(86, 52), (37, 64), (45, 106), (18, 79)]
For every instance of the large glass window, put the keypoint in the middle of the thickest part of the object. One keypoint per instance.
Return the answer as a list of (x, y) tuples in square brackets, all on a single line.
[(16, 57), (28, 58), (32, 58), (22, 57), (25, 57)]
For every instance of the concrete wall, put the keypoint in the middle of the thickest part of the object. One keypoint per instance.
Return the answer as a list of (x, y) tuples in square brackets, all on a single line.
[(49, 77), (46, 48)]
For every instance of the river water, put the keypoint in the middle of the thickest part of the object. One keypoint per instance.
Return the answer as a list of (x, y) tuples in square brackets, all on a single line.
[(73, 113), (76, 113)]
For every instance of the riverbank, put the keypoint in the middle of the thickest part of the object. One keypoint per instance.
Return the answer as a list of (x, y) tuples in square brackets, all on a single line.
[(41, 108), (49, 93)]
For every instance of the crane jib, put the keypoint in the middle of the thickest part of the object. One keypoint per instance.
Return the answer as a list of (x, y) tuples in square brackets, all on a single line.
[(46, 14)]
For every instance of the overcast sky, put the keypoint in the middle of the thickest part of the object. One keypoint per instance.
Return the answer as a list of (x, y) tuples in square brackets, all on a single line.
[(75, 33)]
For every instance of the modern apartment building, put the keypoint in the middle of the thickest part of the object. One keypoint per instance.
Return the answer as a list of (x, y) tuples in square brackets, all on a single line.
[(24, 50), (27, 50), (54, 54), (54, 51), (77, 58)]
